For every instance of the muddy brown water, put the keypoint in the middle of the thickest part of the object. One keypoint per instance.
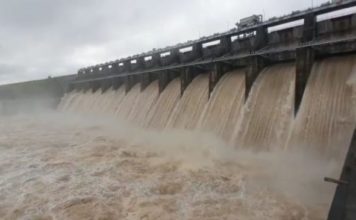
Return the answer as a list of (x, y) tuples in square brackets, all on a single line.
[(140, 155)]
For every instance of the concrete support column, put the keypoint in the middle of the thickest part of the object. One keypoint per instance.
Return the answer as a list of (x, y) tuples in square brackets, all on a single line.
[(217, 72), (105, 85), (114, 69), (186, 77), (129, 82), (156, 60), (214, 76), (261, 38), (163, 80), (309, 28), (304, 60), (140, 63), (105, 70), (198, 50), (174, 56), (145, 79), (94, 86), (256, 64), (165, 77), (116, 83), (304, 63), (127, 66), (226, 44)]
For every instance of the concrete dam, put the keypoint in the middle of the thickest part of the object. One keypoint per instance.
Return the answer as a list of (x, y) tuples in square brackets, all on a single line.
[(244, 124)]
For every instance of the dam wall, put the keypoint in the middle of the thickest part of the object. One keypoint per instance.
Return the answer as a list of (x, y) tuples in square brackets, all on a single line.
[(271, 88), (301, 37), (25, 96), (280, 84), (245, 85), (264, 122)]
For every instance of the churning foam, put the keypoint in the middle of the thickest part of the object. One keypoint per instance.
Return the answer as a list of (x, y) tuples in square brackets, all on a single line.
[(63, 166), (326, 117), (186, 174)]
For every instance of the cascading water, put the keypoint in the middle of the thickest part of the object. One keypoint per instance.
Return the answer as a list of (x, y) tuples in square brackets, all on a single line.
[(143, 104), (268, 112), (125, 107), (190, 107), (326, 117), (224, 106), (93, 167), (162, 110)]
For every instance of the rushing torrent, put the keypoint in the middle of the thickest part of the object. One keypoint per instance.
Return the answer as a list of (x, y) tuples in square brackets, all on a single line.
[(162, 110), (224, 105), (268, 111), (326, 118), (138, 154), (265, 122), (64, 166), (190, 107), (143, 104)]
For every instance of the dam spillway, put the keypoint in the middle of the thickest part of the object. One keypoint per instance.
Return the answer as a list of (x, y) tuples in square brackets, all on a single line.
[(188, 110), (327, 113), (269, 110), (288, 90), (226, 101), (191, 131), (263, 122)]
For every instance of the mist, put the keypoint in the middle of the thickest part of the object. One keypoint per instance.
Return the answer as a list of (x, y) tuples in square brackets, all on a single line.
[(74, 166)]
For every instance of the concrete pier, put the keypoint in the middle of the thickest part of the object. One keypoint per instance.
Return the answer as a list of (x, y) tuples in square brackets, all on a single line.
[(216, 73), (255, 67), (130, 81), (253, 48), (187, 76), (304, 63)]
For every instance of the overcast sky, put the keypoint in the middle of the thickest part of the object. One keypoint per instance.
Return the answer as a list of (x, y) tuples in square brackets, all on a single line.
[(41, 38)]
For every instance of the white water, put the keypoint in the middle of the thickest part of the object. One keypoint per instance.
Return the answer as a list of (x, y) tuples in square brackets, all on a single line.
[(266, 117), (95, 164), (64, 166)]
